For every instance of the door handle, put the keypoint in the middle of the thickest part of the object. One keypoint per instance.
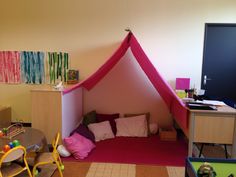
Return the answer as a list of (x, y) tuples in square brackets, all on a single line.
[(206, 79)]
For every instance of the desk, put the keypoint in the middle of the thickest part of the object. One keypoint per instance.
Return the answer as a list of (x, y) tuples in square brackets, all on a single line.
[(32, 139), (222, 167), (211, 126)]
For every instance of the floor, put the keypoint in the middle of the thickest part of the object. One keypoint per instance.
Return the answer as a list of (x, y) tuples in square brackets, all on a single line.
[(85, 169)]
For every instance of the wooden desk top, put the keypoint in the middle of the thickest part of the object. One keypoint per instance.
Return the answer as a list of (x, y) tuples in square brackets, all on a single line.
[(220, 110), (50, 88)]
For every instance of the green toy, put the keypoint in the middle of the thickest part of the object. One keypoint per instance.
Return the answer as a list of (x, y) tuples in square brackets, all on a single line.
[(16, 143)]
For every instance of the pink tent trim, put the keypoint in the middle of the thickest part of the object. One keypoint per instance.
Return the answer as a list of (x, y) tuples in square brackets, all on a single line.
[(174, 104)]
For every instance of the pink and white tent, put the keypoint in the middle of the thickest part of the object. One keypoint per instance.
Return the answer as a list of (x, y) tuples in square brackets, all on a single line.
[(174, 104)]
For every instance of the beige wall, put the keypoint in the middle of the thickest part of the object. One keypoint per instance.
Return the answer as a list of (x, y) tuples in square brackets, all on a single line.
[(171, 33)]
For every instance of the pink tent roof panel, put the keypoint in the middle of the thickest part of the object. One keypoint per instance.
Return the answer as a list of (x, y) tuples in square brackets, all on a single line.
[(174, 104)]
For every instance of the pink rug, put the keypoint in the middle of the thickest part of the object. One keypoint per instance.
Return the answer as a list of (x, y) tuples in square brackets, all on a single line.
[(138, 151)]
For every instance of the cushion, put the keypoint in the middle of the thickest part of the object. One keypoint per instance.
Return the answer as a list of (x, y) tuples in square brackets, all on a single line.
[(101, 130), (108, 117), (147, 114), (78, 145), (153, 127), (63, 151), (89, 118), (84, 131), (132, 126)]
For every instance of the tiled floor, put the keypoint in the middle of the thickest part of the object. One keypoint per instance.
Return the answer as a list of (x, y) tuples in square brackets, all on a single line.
[(176, 171), (111, 170), (124, 170)]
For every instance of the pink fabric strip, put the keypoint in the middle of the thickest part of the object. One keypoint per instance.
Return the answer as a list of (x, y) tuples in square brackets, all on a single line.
[(174, 104), (104, 69)]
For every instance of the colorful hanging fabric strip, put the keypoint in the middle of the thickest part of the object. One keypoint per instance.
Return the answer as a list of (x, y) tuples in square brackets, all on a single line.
[(58, 65), (9, 67), (32, 67)]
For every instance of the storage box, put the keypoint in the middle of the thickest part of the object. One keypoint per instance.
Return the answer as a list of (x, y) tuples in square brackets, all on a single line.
[(222, 167), (168, 134)]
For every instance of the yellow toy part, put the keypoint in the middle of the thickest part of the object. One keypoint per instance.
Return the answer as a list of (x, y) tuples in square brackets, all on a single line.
[(8, 167), (49, 158)]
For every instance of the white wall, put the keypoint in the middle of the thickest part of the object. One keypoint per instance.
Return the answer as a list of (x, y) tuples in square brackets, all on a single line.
[(170, 32), (127, 90), (71, 111)]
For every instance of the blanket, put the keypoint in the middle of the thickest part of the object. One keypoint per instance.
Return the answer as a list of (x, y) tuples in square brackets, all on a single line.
[(85, 169)]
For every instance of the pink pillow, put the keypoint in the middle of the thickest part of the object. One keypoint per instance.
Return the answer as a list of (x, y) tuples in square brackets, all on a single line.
[(78, 145)]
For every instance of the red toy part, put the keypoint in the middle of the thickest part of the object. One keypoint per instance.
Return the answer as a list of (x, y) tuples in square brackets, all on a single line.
[(1, 134), (6, 148)]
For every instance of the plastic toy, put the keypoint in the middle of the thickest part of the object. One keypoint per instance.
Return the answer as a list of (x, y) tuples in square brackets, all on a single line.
[(62, 167), (1, 134), (10, 169), (206, 170), (4, 130), (6, 148), (11, 145), (12, 131), (16, 143)]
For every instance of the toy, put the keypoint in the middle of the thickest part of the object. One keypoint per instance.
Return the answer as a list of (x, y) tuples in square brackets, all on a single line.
[(206, 170), (12, 131), (1, 134), (6, 148), (4, 130), (16, 143), (62, 167), (11, 145)]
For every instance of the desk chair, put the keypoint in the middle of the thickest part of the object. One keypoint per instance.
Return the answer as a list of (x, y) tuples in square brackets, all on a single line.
[(8, 167), (49, 158)]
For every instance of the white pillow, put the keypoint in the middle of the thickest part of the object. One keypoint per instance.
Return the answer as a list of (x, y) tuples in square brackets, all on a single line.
[(63, 151), (132, 126), (101, 130)]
